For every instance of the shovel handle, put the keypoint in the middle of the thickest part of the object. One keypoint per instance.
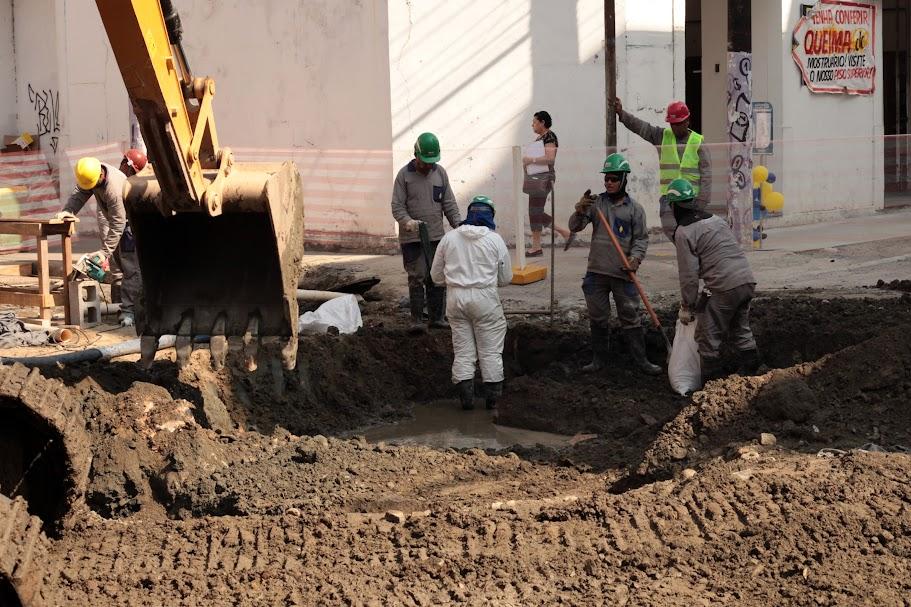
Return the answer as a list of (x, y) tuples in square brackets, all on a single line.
[(632, 274)]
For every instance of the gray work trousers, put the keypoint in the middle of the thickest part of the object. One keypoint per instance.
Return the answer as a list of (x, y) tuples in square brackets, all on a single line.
[(128, 263), (727, 312), (598, 287)]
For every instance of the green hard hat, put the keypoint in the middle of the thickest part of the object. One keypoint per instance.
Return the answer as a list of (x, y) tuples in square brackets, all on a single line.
[(427, 148), (681, 193), (616, 163), (483, 200)]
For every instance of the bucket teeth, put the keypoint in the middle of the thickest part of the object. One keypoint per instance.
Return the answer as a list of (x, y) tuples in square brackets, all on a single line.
[(289, 353), (183, 344), (218, 343), (148, 346), (251, 343)]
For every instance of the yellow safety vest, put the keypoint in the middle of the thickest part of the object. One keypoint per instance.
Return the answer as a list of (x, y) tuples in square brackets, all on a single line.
[(672, 167)]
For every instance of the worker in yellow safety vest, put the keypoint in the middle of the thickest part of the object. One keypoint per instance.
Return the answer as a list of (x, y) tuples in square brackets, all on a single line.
[(681, 155)]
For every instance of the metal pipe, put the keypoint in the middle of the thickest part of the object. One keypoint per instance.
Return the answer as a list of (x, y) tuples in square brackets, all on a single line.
[(321, 296), (95, 354)]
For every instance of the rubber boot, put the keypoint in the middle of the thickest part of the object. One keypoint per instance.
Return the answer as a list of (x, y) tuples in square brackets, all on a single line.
[(749, 362), (492, 391), (712, 368), (436, 306), (635, 341), (600, 349), (416, 297), (466, 393)]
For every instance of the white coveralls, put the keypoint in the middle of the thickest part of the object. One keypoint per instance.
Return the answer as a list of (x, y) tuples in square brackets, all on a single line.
[(472, 261)]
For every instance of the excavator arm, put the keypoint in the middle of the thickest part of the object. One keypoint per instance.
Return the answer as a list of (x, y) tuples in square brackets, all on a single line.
[(219, 243)]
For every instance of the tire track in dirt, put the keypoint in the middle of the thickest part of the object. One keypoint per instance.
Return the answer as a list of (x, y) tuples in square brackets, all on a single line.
[(739, 532)]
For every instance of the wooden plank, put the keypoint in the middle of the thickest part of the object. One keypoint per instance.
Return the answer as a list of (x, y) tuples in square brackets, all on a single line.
[(67, 243), (29, 296), (44, 279), (22, 228), (16, 269)]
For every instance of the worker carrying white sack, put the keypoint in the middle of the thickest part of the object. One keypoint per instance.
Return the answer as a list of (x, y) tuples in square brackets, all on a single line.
[(707, 250), (472, 261)]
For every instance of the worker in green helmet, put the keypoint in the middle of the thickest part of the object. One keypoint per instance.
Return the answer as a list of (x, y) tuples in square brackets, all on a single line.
[(607, 276), (422, 194), (708, 250)]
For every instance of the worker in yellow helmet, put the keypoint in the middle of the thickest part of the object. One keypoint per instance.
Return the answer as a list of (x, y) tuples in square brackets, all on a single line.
[(106, 183)]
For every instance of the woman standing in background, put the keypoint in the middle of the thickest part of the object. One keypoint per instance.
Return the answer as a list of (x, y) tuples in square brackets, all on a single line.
[(539, 185)]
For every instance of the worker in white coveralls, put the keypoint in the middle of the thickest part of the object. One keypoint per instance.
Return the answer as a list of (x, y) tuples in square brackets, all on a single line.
[(106, 183), (472, 261), (707, 249)]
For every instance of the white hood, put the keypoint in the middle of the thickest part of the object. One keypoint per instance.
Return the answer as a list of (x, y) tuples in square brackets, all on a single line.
[(473, 232)]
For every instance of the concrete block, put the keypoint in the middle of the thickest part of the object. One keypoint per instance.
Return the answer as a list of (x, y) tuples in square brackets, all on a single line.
[(84, 302)]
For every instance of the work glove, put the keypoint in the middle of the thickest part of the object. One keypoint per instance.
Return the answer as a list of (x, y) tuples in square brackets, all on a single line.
[(412, 225), (685, 316), (585, 203), (633, 263), (65, 216)]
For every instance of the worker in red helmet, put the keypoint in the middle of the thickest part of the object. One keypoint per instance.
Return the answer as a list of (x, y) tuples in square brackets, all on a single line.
[(125, 262), (133, 162), (681, 155)]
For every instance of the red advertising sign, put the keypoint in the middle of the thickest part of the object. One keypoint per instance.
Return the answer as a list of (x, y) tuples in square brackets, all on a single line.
[(834, 45)]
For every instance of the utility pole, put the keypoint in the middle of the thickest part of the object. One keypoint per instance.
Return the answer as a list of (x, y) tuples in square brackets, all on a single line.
[(610, 72)]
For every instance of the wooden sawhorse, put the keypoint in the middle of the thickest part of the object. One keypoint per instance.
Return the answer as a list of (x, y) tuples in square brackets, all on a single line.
[(41, 296)]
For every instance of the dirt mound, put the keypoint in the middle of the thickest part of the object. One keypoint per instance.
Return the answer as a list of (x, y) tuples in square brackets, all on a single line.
[(778, 528), (23, 558), (44, 451), (856, 396), (894, 285)]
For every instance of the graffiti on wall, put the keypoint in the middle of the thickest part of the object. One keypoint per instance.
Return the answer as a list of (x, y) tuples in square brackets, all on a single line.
[(740, 138), (46, 104)]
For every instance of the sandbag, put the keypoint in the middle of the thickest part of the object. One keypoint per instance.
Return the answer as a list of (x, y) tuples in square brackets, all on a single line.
[(685, 367)]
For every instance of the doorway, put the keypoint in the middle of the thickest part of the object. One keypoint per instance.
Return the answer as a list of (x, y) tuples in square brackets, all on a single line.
[(896, 122)]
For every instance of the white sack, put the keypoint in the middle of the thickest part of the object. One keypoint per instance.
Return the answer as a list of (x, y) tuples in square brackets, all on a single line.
[(341, 312), (685, 367)]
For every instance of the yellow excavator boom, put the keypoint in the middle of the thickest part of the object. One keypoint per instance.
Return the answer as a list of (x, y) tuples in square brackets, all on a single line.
[(219, 243)]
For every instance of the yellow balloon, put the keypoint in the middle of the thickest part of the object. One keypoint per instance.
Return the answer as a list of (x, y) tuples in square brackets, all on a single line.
[(755, 184), (774, 203), (760, 173), (764, 190)]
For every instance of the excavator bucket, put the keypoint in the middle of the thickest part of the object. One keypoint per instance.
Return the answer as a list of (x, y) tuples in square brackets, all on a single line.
[(231, 275)]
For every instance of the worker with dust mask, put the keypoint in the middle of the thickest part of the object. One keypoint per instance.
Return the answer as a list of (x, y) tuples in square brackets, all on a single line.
[(422, 195), (606, 275), (106, 183), (472, 261), (681, 155), (707, 249)]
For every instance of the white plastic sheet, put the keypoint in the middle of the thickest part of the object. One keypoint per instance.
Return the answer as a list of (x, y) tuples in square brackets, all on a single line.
[(685, 367), (342, 313)]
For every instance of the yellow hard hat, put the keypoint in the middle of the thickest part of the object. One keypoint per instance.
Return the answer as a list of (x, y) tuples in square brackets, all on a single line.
[(88, 172)]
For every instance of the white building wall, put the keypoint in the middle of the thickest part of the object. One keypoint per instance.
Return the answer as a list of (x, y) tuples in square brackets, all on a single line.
[(832, 155), (651, 52), (7, 70), (474, 73)]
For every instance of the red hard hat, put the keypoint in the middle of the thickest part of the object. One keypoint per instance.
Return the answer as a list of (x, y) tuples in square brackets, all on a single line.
[(136, 159), (677, 112)]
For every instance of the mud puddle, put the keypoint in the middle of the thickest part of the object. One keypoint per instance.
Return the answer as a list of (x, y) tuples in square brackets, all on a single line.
[(442, 424)]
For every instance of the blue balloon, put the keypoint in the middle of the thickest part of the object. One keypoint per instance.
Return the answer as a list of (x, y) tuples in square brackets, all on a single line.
[(771, 178)]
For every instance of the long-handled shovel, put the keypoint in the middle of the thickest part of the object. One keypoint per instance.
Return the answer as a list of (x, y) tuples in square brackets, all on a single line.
[(632, 275)]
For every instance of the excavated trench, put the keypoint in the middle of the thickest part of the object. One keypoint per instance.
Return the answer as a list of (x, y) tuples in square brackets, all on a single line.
[(350, 385), (182, 447), (45, 451)]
